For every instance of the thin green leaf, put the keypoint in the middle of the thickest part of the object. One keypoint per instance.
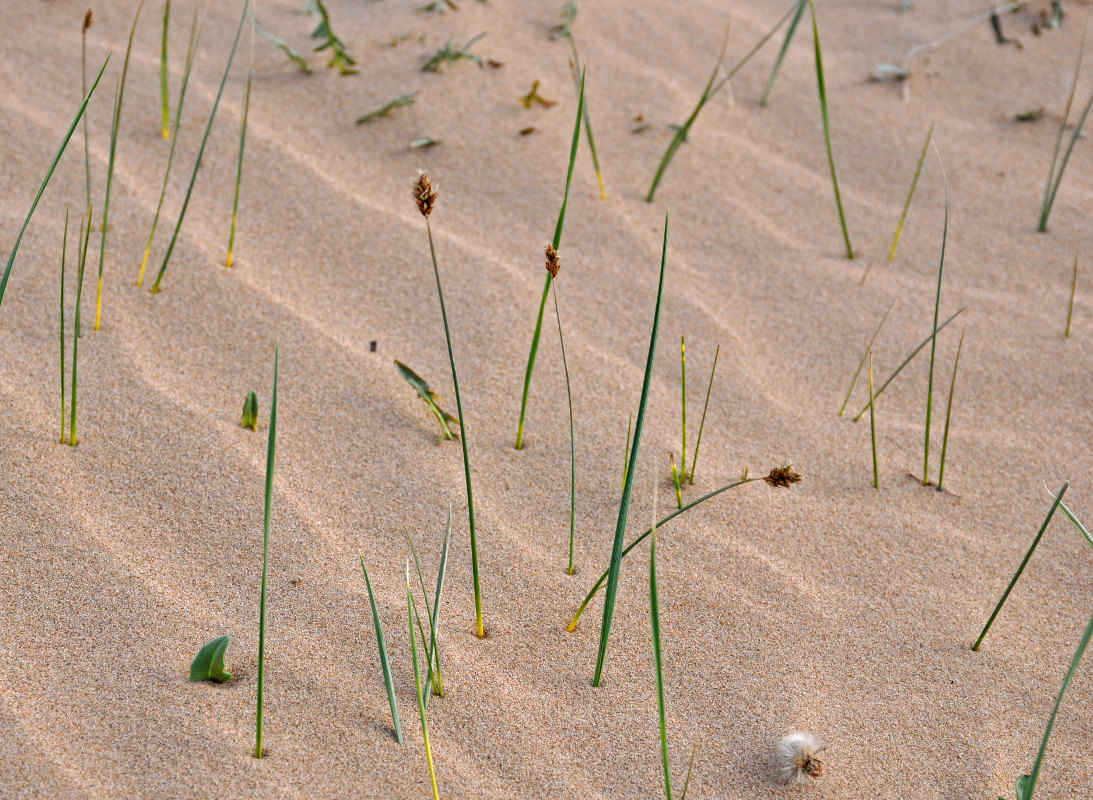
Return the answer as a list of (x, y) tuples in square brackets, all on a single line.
[(430, 398), (933, 339), (949, 411), (865, 355), (271, 452), (705, 407), (792, 29), (654, 617), (282, 45), (385, 663), (911, 191), (410, 610)]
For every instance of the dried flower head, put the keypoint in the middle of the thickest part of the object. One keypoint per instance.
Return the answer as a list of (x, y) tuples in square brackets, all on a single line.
[(553, 261), (782, 477), (795, 758), (87, 20), (424, 194)]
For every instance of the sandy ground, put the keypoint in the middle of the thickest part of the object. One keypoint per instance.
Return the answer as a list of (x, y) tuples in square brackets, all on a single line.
[(829, 607)]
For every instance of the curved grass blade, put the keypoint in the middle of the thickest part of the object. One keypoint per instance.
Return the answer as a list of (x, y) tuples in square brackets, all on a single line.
[(911, 191), (792, 29), (702, 422), (1075, 522), (557, 244), (201, 152), (384, 661), (283, 46), (208, 664), (949, 411), (865, 355), (628, 486), (45, 181), (271, 452), (578, 71), (933, 339), (683, 395), (626, 452)]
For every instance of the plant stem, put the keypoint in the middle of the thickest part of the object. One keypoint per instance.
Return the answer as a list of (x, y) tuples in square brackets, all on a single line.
[(239, 170), (271, 452), (702, 423), (873, 425), (1073, 289), (572, 437), (164, 78), (654, 617), (911, 191), (949, 411), (86, 141), (64, 253), (626, 452), (1053, 179), (933, 339), (792, 29), (683, 397), (85, 237), (577, 71)]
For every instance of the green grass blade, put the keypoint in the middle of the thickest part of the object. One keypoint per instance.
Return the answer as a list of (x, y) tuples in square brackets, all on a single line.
[(628, 486), (911, 191), (83, 86), (195, 31), (45, 181), (790, 31), (654, 617), (557, 244), (949, 411), (1024, 563), (865, 355), (683, 396), (1045, 205), (827, 128), (410, 609), (434, 622), (239, 168), (702, 422), (676, 480), (1073, 289), (572, 436), (271, 452), (384, 661), (578, 72), (1075, 522), (64, 254), (164, 73), (201, 152), (626, 452), (908, 360), (873, 424), (933, 339), (1062, 166), (690, 766), (85, 237)]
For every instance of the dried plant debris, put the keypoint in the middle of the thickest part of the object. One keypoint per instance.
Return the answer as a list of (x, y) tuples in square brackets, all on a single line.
[(569, 15), (528, 130), (796, 758), (534, 98), (782, 477), (384, 110), (1031, 115), (999, 36), (339, 56), (438, 6), (451, 53), (889, 72)]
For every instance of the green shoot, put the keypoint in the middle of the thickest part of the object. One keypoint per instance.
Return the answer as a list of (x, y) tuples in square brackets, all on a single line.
[(1073, 289), (64, 253), (190, 50), (626, 452), (556, 245), (873, 425), (339, 56), (676, 480), (45, 181), (85, 237), (417, 683), (577, 69), (790, 31), (239, 168), (271, 452), (424, 142), (572, 434), (827, 127), (933, 339), (628, 486), (384, 110), (911, 191), (384, 661), (1024, 563), (208, 664), (200, 151), (119, 98), (425, 393), (164, 76), (683, 394), (425, 197), (565, 28), (654, 617), (87, 22), (708, 93), (779, 477), (437, 680), (702, 422), (282, 45), (865, 355), (949, 411), (451, 53), (908, 360), (250, 411), (1055, 178)]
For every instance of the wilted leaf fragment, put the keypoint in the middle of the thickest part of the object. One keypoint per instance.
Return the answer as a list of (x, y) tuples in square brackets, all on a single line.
[(209, 663)]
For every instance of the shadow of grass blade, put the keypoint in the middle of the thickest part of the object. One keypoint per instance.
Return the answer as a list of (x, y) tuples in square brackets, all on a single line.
[(45, 181), (384, 661), (628, 486), (911, 191), (271, 452)]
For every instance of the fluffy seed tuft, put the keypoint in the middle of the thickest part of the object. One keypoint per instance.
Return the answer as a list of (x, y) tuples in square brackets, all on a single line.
[(424, 194), (795, 758), (553, 261)]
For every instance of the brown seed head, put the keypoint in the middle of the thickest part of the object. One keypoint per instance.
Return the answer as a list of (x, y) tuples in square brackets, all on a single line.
[(782, 477), (424, 194), (813, 767), (87, 20), (553, 261)]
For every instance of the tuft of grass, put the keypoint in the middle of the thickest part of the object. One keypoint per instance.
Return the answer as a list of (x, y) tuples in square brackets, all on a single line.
[(556, 244), (385, 663), (271, 452), (339, 56), (713, 86), (827, 127), (242, 144), (208, 664), (911, 191), (429, 396), (798, 12), (64, 254), (873, 425), (949, 411), (281, 45), (119, 98), (1073, 289), (384, 110), (250, 411), (191, 49), (87, 22), (410, 610), (85, 237), (164, 73), (451, 52), (865, 355), (201, 151), (1032, 549), (1054, 179), (628, 485), (933, 339), (705, 408), (45, 181), (425, 197)]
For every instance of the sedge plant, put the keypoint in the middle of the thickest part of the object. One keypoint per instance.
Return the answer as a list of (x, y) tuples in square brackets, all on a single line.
[(556, 244), (410, 610), (933, 339), (385, 663), (85, 236), (949, 411), (271, 453), (425, 199), (1055, 178)]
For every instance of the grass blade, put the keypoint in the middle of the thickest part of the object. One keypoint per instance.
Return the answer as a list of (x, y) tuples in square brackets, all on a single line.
[(1075, 522), (676, 480), (949, 411), (1073, 289), (873, 425), (827, 128), (690, 766), (933, 339), (434, 622), (410, 609), (164, 76), (578, 71), (1053, 179), (271, 452), (64, 254), (85, 237), (702, 422), (1024, 563), (683, 396), (239, 169), (384, 661), (628, 486), (45, 181), (572, 436), (557, 244), (654, 617), (83, 85), (626, 452), (911, 191), (792, 29), (201, 152), (865, 355)]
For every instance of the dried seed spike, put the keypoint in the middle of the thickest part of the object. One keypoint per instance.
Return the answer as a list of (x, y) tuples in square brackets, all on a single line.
[(424, 194), (87, 20), (553, 261), (782, 477)]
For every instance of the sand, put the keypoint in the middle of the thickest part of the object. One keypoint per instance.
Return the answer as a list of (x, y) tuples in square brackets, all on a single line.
[(828, 607)]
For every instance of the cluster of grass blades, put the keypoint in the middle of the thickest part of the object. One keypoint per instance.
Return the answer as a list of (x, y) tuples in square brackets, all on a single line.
[(933, 339), (85, 237), (556, 244), (451, 52), (249, 418), (271, 453), (1055, 177), (411, 613), (680, 476), (328, 40)]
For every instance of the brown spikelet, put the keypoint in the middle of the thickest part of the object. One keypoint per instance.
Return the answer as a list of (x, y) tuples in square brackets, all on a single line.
[(782, 477), (553, 261), (424, 194), (87, 20)]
